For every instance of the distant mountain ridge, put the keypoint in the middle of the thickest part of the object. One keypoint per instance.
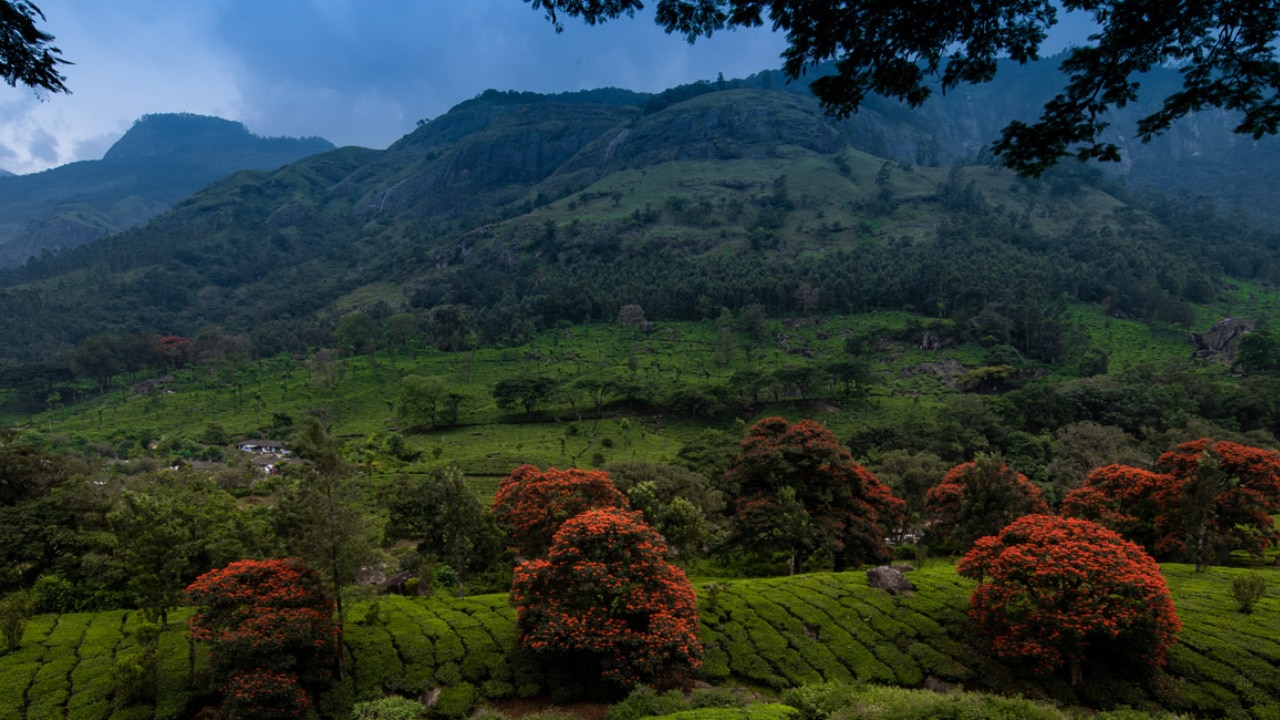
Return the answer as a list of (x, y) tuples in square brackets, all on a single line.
[(160, 160)]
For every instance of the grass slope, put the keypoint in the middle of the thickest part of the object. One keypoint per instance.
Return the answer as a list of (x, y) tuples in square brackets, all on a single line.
[(358, 395), (771, 634)]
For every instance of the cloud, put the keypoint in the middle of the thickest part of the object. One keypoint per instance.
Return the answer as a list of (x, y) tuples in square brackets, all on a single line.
[(131, 57), (363, 73), (353, 72)]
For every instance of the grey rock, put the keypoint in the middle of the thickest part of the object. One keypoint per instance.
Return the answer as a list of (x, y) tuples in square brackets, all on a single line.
[(889, 579), (1221, 342)]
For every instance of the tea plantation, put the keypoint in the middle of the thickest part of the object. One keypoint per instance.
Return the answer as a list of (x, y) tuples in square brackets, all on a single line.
[(770, 635)]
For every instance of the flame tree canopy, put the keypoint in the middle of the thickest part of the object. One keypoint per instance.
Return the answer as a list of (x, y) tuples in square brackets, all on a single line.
[(1050, 588), (794, 489), (606, 603), (1204, 500), (978, 498)]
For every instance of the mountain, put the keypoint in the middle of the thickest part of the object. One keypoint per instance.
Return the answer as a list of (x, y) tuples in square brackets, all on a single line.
[(525, 211), (1200, 155), (159, 161)]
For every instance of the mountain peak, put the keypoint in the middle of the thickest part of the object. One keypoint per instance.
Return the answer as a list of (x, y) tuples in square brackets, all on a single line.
[(180, 135)]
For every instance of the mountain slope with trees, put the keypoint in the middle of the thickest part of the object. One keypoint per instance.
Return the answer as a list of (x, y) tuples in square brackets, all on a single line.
[(525, 212), (160, 160)]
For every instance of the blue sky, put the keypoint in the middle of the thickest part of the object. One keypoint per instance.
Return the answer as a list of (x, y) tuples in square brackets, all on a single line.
[(357, 72)]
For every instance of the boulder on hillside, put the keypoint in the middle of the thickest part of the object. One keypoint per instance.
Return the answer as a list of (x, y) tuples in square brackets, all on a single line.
[(1221, 342), (889, 579)]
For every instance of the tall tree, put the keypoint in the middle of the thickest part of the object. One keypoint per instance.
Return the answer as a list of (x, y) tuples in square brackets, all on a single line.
[(169, 527), (794, 489), (447, 520), (270, 628), (606, 601), (1225, 50), (978, 498), (319, 519), (1204, 500), (532, 504), (1050, 588)]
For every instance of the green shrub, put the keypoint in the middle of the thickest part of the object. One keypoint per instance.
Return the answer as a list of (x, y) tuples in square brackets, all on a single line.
[(761, 711), (448, 674), (133, 679), (97, 710), (644, 701), (455, 701), (392, 707), (54, 594), (1248, 590), (819, 702), (716, 697), (845, 702), (15, 611), (552, 714), (497, 689), (134, 672), (14, 680)]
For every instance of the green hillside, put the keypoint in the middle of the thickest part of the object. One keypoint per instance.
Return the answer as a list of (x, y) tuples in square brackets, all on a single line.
[(766, 634), (160, 160), (527, 213)]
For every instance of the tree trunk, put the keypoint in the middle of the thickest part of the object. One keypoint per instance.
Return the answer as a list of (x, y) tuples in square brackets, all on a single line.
[(337, 598)]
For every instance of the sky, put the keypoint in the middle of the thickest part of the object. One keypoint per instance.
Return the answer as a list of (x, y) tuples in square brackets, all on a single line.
[(355, 72)]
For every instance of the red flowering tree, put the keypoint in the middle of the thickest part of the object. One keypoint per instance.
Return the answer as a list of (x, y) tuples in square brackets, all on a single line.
[(272, 638), (1204, 500), (978, 498), (1121, 498), (606, 602), (532, 504), (795, 490), (1049, 588)]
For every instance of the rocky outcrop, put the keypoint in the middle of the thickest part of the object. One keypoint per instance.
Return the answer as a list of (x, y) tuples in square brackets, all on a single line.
[(1221, 342)]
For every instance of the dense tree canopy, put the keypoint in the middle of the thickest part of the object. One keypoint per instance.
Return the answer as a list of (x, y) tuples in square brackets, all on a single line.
[(976, 499), (795, 490), (1204, 500), (25, 53), (446, 518), (1051, 587), (270, 628), (606, 600), (532, 504), (1225, 51)]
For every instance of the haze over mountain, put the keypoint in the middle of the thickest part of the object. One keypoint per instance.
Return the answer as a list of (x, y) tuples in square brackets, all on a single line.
[(160, 160)]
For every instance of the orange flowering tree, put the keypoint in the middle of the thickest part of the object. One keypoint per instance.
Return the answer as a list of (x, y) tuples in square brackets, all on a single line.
[(531, 504), (976, 499), (606, 603), (1204, 500), (1050, 587), (272, 638), (1121, 498), (796, 490)]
